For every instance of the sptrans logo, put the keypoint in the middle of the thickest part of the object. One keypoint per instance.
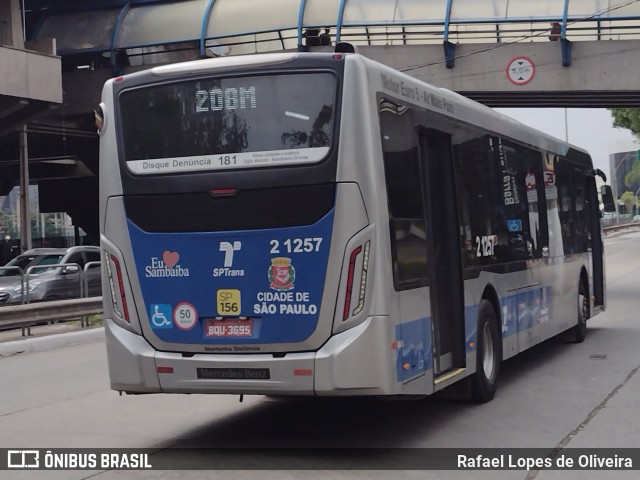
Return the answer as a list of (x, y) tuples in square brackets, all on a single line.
[(229, 248), (168, 266)]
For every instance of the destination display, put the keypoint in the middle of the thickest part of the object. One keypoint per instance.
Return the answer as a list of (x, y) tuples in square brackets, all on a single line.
[(228, 123), (223, 162)]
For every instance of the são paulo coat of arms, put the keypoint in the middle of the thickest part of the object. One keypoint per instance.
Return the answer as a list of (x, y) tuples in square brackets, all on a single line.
[(282, 275)]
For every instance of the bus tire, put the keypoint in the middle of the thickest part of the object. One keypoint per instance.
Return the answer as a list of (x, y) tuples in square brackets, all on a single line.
[(488, 354), (578, 332)]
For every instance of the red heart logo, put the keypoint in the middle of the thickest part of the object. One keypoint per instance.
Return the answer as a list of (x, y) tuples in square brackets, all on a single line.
[(170, 258)]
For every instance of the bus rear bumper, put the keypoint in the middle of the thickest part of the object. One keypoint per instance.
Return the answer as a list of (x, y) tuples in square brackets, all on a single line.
[(350, 363), (132, 366)]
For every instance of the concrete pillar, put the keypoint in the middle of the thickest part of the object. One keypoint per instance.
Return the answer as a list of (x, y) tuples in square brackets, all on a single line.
[(11, 24), (25, 216)]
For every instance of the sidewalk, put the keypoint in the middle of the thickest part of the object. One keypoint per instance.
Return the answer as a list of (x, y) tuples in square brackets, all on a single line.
[(48, 337)]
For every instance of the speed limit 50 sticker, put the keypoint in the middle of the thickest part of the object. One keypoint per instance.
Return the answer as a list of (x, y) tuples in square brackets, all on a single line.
[(185, 316)]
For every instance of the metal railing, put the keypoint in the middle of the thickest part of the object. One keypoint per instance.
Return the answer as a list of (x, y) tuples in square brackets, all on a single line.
[(617, 220), (27, 315), (24, 277), (62, 266), (85, 278), (621, 226), (21, 273)]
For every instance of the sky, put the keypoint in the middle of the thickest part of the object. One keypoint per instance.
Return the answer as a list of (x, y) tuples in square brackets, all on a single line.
[(589, 128)]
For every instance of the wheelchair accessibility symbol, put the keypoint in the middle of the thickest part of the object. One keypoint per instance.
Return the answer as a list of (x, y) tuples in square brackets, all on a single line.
[(160, 315), (514, 225)]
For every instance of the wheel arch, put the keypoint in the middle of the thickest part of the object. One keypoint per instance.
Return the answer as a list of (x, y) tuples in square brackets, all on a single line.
[(488, 354), (578, 332), (584, 278), (491, 295)]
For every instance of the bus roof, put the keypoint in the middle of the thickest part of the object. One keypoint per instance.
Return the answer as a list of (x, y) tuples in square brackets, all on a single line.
[(476, 113)]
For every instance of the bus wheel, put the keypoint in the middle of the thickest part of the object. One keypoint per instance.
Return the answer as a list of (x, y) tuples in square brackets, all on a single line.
[(578, 333), (485, 379)]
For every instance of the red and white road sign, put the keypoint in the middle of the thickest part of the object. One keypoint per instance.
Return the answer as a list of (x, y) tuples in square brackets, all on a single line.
[(520, 70)]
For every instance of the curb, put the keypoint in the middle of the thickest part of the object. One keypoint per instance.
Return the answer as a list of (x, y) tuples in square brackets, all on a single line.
[(625, 228), (51, 342)]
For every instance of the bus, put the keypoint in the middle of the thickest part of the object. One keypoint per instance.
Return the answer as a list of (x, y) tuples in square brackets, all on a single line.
[(319, 224)]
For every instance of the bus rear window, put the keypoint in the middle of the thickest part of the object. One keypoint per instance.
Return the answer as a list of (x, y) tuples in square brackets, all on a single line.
[(226, 123)]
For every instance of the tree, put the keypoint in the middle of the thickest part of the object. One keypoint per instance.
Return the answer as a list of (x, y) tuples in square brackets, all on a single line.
[(6, 225), (628, 118), (630, 201), (633, 176), (317, 137)]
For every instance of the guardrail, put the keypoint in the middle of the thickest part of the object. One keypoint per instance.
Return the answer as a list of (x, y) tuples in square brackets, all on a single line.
[(624, 226), (20, 272), (85, 279), (27, 315)]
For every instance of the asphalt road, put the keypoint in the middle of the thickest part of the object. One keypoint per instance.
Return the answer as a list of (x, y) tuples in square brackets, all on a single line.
[(556, 394)]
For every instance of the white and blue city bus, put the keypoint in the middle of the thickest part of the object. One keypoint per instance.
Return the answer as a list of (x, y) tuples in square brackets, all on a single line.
[(321, 224)]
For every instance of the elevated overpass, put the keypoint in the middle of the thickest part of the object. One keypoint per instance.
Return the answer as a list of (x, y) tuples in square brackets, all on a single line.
[(576, 53), (602, 74)]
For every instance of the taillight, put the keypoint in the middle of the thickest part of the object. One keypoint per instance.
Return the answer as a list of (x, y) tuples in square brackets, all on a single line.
[(352, 266), (223, 192), (125, 313), (362, 290), (363, 279)]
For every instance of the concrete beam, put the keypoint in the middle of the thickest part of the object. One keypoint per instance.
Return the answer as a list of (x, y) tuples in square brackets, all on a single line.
[(30, 75), (601, 73)]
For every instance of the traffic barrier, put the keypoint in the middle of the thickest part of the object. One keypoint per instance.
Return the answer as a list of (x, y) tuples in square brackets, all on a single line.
[(624, 226), (29, 314)]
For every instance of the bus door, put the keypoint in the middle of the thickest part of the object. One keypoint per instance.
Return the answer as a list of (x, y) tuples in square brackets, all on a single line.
[(597, 252), (445, 263)]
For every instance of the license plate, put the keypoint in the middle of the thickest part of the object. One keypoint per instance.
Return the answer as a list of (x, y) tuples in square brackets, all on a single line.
[(229, 328), (234, 373)]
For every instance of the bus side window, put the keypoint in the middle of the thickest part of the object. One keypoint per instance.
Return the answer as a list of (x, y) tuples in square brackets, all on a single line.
[(573, 207), (476, 176), (405, 196), (501, 187), (522, 199)]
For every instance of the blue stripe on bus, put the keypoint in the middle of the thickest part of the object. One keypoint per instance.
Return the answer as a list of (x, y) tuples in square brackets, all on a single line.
[(519, 312), (524, 310), (413, 348)]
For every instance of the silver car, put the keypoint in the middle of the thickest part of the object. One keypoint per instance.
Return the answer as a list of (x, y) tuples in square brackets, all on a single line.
[(49, 282)]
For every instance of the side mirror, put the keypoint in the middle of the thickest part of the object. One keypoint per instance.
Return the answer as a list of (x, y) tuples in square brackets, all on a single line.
[(69, 269), (607, 198)]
